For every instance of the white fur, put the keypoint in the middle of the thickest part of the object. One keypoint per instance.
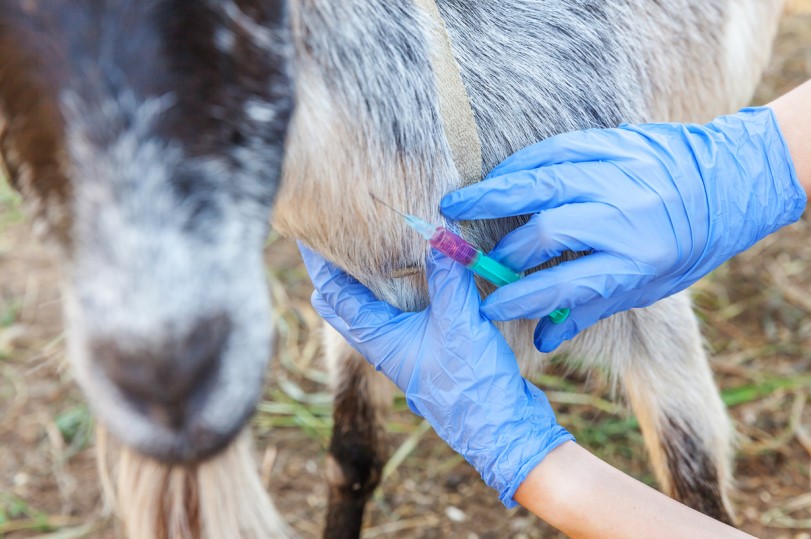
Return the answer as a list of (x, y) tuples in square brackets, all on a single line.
[(128, 220), (260, 111), (746, 57)]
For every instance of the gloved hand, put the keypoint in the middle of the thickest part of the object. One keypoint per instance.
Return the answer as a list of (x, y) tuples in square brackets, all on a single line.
[(453, 365), (658, 205)]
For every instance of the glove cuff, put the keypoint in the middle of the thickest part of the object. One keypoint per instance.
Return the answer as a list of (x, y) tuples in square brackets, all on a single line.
[(519, 446), (785, 173), (781, 165), (555, 438), (773, 198)]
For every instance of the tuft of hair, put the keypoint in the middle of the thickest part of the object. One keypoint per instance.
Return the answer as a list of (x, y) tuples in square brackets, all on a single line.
[(220, 498)]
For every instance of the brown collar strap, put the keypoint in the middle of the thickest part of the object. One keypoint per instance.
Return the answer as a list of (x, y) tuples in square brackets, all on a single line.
[(454, 103)]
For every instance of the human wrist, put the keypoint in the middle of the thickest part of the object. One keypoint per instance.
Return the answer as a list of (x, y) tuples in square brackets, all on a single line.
[(750, 181), (793, 115), (764, 131), (552, 490)]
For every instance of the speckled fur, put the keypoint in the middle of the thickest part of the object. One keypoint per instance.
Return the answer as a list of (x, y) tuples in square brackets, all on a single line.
[(150, 158), (367, 120)]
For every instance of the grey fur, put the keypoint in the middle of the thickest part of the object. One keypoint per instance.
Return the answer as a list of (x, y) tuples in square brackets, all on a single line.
[(532, 69)]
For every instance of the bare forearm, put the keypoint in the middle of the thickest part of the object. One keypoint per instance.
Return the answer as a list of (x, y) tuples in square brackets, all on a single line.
[(587, 498), (793, 112)]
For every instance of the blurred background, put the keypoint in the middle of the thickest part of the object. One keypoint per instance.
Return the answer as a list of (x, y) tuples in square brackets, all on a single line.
[(756, 316)]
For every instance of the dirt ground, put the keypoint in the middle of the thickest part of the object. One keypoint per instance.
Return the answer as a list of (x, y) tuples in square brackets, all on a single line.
[(757, 322)]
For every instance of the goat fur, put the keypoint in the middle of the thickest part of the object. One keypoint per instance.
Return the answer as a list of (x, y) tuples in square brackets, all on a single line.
[(367, 119)]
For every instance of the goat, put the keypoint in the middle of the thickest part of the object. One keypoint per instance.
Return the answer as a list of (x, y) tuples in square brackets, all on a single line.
[(149, 137)]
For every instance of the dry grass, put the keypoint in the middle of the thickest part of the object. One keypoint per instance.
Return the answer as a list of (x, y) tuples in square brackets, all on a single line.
[(757, 323)]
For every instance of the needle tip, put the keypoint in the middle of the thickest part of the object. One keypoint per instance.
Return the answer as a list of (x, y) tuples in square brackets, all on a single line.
[(389, 206)]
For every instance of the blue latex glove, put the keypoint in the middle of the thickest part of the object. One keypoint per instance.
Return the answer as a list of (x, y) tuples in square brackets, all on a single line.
[(453, 365), (659, 206)]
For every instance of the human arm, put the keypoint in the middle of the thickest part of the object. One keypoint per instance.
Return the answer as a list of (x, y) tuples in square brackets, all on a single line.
[(793, 112), (657, 206), (585, 497)]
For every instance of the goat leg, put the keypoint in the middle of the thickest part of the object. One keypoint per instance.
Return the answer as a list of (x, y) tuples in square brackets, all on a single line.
[(356, 453), (656, 356)]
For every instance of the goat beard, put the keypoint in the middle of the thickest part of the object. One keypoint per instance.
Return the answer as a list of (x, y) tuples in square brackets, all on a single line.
[(221, 498)]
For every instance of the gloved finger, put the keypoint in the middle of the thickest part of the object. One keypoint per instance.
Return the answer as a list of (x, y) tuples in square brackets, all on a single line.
[(574, 147), (451, 286), (531, 191), (348, 298), (574, 227), (547, 235), (519, 193), (549, 336), (568, 285)]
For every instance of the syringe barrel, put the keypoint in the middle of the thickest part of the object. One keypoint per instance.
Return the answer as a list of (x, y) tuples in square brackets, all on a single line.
[(461, 251), (454, 246)]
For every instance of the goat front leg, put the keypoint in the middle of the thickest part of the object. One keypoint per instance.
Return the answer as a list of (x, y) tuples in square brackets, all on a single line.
[(656, 355), (357, 450), (683, 419)]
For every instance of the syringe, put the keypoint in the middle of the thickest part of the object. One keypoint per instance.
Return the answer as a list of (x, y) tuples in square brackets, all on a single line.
[(460, 250)]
